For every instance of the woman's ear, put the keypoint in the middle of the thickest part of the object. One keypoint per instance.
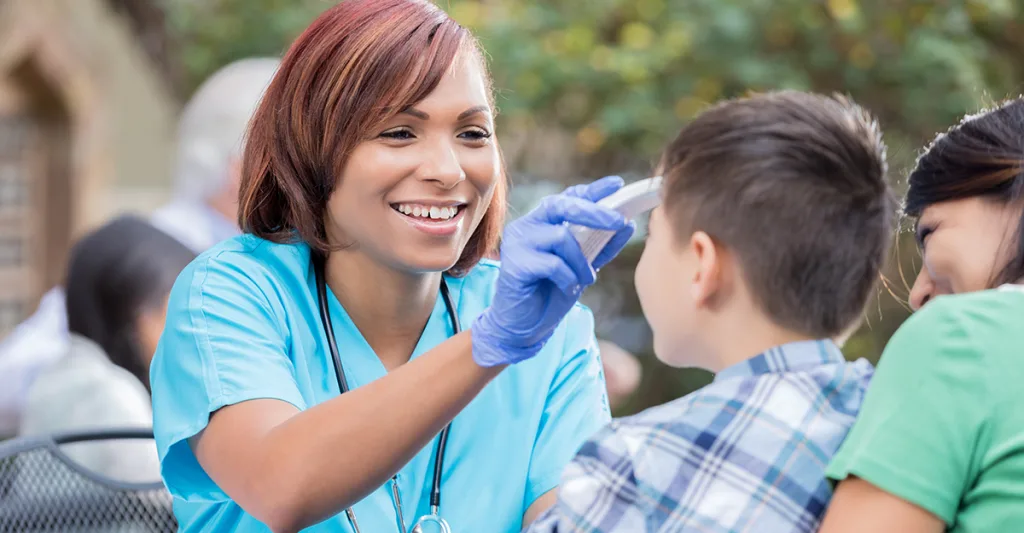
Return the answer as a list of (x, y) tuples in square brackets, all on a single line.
[(707, 277)]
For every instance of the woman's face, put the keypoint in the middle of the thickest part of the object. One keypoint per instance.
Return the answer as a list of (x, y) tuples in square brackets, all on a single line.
[(412, 194), (964, 244)]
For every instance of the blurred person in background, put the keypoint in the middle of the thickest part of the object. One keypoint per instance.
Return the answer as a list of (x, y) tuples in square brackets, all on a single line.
[(622, 372), (211, 132), (117, 284), (939, 442), (202, 212)]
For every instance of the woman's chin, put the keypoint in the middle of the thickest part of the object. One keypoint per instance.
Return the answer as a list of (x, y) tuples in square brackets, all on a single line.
[(438, 261)]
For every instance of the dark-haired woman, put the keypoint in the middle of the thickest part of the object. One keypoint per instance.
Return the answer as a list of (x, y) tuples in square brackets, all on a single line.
[(117, 284), (310, 367), (939, 442)]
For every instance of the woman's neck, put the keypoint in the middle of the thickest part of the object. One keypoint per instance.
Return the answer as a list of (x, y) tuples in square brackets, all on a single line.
[(390, 308)]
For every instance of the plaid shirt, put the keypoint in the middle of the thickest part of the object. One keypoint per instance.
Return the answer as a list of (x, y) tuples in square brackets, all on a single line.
[(746, 453)]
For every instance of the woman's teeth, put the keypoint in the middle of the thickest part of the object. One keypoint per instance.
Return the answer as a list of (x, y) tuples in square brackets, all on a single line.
[(422, 211)]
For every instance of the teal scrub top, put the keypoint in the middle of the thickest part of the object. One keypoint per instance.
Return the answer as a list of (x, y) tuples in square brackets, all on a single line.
[(243, 323)]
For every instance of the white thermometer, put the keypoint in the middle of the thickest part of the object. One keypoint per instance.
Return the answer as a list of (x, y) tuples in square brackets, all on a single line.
[(631, 201)]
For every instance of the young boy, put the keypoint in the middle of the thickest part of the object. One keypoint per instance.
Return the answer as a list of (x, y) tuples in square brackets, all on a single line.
[(775, 221)]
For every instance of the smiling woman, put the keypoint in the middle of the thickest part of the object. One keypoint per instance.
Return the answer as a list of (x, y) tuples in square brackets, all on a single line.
[(939, 442), (408, 112), (314, 372)]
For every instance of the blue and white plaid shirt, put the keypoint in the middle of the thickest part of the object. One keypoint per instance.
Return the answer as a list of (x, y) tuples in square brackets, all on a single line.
[(746, 453)]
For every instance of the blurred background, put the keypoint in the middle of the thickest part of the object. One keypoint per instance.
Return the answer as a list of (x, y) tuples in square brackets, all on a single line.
[(90, 92)]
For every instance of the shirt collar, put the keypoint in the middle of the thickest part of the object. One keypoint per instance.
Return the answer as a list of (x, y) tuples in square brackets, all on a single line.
[(789, 357)]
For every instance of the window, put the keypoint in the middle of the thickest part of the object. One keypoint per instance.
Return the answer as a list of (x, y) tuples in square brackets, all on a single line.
[(13, 189), (17, 215)]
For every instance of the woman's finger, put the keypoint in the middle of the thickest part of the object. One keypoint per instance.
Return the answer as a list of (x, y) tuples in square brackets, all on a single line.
[(596, 190), (568, 248), (553, 268), (561, 209), (559, 241)]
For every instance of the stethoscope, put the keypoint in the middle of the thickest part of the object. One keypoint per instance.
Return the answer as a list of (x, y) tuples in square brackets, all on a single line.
[(435, 490)]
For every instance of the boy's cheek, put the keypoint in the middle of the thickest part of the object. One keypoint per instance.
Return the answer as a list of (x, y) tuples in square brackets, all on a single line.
[(642, 280), (656, 290)]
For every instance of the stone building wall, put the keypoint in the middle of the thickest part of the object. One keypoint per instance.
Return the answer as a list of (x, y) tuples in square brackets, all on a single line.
[(86, 132)]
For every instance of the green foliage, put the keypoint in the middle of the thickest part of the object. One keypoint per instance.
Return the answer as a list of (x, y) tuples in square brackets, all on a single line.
[(213, 33), (626, 73), (622, 76)]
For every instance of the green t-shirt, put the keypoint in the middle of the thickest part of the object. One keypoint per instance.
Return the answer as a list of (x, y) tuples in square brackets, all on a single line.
[(942, 425)]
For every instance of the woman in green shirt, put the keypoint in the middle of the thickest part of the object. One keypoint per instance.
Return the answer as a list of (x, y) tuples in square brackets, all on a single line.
[(939, 442)]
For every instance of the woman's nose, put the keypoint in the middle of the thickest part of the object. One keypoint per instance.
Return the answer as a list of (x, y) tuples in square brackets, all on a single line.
[(922, 291), (442, 166)]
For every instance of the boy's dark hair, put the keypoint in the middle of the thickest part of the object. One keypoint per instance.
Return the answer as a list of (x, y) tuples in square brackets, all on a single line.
[(794, 184)]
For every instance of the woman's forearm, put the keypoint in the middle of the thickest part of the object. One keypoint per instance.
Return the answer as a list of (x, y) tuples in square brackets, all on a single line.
[(317, 462), (359, 440), (860, 506)]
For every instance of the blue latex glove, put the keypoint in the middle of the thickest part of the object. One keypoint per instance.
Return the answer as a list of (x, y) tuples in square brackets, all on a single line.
[(544, 271)]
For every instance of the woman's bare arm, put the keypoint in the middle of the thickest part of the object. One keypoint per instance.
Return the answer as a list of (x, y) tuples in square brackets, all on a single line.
[(293, 469), (859, 506)]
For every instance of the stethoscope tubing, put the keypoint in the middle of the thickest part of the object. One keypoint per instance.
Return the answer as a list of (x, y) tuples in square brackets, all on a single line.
[(319, 261)]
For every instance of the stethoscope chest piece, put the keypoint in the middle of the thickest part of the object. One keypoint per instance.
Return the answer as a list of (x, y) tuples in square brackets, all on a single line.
[(431, 523)]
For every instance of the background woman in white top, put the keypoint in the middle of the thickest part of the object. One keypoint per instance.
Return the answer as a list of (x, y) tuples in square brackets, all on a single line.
[(117, 285)]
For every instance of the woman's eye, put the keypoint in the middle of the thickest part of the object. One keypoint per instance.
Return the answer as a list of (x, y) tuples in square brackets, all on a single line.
[(922, 236), (398, 135), (475, 135)]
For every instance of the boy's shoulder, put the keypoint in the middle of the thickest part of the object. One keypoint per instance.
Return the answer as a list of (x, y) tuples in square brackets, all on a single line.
[(759, 442), (774, 392), (759, 416)]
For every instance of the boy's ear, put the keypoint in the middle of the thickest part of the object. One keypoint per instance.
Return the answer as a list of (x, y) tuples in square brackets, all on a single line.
[(707, 277)]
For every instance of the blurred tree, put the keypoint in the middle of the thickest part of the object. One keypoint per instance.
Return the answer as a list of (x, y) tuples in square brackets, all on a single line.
[(597, 86), (622, 75), (213, 33), (147, 20)]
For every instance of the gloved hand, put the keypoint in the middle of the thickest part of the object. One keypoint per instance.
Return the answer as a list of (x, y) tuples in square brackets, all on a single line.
[(544, 271)]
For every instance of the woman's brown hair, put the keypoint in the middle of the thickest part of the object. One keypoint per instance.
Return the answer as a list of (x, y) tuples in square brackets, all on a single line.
[(357, 65), (983, 157)]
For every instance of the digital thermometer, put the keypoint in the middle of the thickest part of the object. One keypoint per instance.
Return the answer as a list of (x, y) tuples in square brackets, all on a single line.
[(631, 201)]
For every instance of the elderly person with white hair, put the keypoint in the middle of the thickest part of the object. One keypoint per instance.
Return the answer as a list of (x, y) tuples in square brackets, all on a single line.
[(201, 213), (210, 133)]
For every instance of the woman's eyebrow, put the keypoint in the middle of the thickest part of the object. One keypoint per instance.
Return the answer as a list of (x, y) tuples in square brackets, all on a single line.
[(472, 111), (416, 113), (462, 116)]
